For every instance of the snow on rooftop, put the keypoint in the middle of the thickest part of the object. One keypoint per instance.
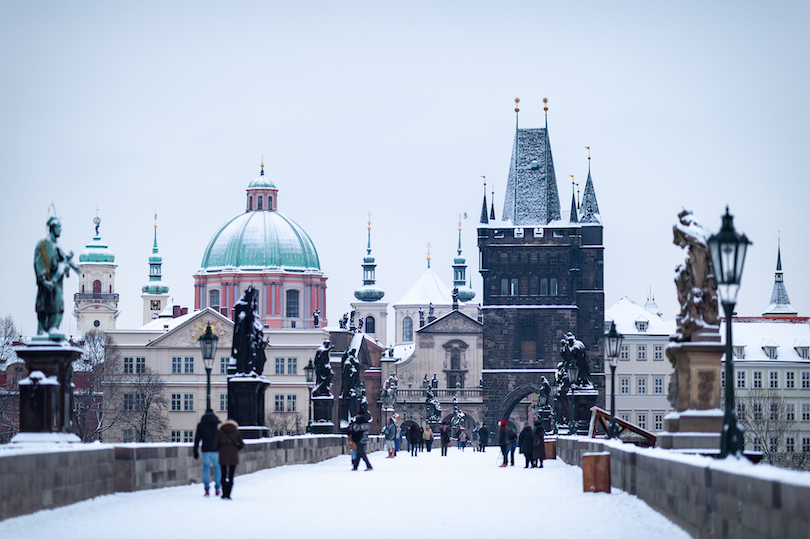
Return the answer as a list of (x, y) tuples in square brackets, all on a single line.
[(626, 312), (768, 332), (427, 289)]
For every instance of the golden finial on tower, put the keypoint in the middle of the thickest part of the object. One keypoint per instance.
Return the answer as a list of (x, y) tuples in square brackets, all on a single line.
[(428, 254), (155, 219), (369, 220), (517, 101), (459, 222), (589, 153)]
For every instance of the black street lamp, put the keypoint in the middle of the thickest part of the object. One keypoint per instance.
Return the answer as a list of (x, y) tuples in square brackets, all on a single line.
[(309, 373), (573, 374), (613, 345), (728, 257), (208, 346)]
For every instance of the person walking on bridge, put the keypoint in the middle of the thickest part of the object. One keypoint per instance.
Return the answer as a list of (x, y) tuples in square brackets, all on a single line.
[(526, 444), (502, 441), (390, 433), (228, 442), (428, 437), (206, 436), (483, 432)]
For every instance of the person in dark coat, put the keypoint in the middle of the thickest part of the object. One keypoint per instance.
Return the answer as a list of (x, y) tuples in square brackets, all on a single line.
[(511, 445), (539, 440), (526, 444), (502, 441), (359, 433), (228, 442), (206, 435), (445, 435), (413, 438), (483, 432)]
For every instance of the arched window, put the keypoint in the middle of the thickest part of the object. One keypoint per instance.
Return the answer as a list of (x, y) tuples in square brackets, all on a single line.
[(292, 303), (407, 329), (259, 203), (455, 359), (370, 324), (270, 203), (544, 287), (96, 287), (250, 202), (213, 299)]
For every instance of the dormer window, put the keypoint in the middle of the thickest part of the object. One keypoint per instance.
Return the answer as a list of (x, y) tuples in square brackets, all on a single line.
[(641, 325), (538, 232), (518, 232), (739, 352), (803, 351), (770, 351)]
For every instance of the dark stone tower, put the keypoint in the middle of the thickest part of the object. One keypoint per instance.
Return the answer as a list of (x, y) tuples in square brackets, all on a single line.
[(543, 273)]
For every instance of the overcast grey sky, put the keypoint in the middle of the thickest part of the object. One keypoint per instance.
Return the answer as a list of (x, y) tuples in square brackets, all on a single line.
[(398, 109)]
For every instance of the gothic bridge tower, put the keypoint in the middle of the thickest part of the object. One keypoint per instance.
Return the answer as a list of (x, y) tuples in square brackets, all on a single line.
[(543, 276)]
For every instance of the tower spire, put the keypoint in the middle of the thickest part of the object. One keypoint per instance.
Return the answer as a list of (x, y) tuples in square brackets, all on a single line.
[(484, 219), (369, 291), (589, 212), (780, 302), (465, 293), (492, 209)]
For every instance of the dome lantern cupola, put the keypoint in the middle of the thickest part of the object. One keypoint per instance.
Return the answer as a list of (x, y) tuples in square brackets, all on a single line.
[(465, 293), (262, 194), (369, 291)]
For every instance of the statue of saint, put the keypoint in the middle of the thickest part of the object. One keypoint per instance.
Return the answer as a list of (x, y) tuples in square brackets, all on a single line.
[(574, 355), (389, 391), (323, 371), (351, 386), (315, 315), (344, 320), (51, 265), (545, 392), (248, 336)]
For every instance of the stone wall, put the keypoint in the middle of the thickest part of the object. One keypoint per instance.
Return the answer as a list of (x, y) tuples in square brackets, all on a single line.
[(704, 496), (31, 481)]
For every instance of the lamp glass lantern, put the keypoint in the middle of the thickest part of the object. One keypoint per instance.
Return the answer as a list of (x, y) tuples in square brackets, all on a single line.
[(208, 346), (613, 344), (309, 374)]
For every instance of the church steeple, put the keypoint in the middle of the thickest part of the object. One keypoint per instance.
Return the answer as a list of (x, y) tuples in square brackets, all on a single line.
[(155, 291), (369, 291), (460, 272), (484, 218), (589, 212), (531, 191), (780, 302)]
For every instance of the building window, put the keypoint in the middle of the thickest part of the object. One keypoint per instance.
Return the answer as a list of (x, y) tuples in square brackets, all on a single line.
[(188, 436), (658, 352), (407, 329), (641, 352), (642, 421), (790, 444), (250, 202), (740, 410), (790, 411), (269, 202), (129, 402), (518, 232), (140, 365), (774, 415), (370, 325), (557, 234), (292, 365), (803, 351), (773, 444), (188, 402), (552, 289), (722, 379), (176, 362), (641, 325), (279, 365), (773, 380), (625, 353), (175, 436), (292, 303), (188, 365), (544, 287), (805, 379), (770, 351), (790, 380), (213, 299), (291, 403), (624, 417), (805, 445), (757, 379), (128, 365), (259, 202), (739, 352), (223, 402), (175, 402), (757, 411), (806, 411), (278, 403), (642, 386), (223, 365), (658, 385), (128, 436), (624, 383), (740, 379), (504, 287), (658, 421)]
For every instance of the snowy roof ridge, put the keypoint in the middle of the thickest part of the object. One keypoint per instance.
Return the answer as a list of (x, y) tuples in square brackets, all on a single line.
[(427, 289), (531, 191)]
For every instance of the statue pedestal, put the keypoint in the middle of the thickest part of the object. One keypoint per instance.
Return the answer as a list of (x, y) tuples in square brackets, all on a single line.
[(584, 400), (246, 404), (697, 420), (322, 414), (46, 394)]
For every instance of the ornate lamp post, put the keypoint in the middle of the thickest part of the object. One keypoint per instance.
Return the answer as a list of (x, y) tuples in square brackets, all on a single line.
[(728, 257), (208, 346), (613, 344), (309, 373)]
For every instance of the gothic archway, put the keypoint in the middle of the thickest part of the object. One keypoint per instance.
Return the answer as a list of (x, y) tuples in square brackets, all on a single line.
[(512, 399)]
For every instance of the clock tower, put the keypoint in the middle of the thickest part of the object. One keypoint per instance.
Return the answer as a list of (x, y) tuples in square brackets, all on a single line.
[(155, 291), (96, 302)]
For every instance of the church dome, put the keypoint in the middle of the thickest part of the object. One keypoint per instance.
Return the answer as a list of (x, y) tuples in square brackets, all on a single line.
[(256, 240), (97, 251), (262, 182)]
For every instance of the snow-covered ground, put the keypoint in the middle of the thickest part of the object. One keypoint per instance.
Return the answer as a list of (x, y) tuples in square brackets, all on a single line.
[(462, 495)]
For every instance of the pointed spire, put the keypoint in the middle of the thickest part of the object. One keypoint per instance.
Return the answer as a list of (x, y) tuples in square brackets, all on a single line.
[(573, 218), (780, 306), (589, 212), (154, 246), (262, 172), (461, 290), (492, 209), (369, 291), (155, 284), (484, 219)]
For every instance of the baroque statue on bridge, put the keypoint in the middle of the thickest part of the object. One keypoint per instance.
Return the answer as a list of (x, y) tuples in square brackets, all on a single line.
[(51, 265), (248, 336)]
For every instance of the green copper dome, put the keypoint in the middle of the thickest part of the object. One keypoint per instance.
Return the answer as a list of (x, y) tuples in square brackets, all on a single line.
[(262, 182), (261, 239)]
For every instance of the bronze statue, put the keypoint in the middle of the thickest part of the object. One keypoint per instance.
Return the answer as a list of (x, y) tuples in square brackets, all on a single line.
[(697, 287), (574, 355), (248, 336), (323, 371), (51, 265)]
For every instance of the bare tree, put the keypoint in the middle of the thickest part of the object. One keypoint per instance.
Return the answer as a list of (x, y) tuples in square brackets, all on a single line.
[(144, 405), (281, 423), (98, 376), (770, 425), (9, 334)]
